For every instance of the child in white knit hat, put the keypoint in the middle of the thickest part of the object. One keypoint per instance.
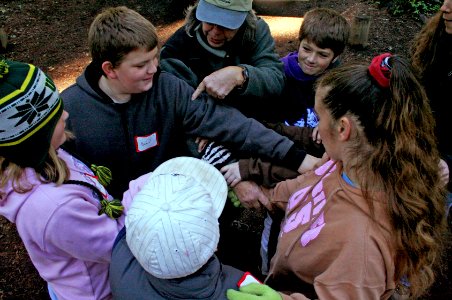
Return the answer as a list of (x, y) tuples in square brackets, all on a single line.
[(166, 250)]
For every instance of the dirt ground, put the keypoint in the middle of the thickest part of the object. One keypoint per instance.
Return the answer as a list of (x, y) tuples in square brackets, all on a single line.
[(52, 35)]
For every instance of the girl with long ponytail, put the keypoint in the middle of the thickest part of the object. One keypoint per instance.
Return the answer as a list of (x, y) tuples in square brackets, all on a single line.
[(373, 215)]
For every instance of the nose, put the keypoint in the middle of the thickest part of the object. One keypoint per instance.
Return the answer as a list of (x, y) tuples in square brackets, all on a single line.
[(311, 57), (217, 29), (153, 66), (447, 6)]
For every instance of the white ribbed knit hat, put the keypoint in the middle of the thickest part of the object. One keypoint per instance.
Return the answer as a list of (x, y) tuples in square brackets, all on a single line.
[(172, 224)]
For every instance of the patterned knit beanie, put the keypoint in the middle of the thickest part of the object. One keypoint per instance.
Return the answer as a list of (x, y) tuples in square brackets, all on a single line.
[(30, 108)]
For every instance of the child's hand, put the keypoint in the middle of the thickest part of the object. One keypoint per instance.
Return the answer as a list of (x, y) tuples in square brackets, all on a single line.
[(316, 135), (309, 163), (231, 173), (253, 291), (202, 143)]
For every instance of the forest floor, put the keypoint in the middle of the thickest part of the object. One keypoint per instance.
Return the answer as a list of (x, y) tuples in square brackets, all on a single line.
[(52, 34)]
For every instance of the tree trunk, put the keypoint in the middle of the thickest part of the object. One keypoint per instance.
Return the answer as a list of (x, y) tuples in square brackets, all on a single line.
[(359, 34), (3, 39)]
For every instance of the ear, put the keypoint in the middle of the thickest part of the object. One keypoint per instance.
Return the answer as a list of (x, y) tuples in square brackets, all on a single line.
[(108, 69), (344, 129)]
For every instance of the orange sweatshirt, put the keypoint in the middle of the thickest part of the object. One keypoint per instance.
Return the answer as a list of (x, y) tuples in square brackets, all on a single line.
[(329, 246)]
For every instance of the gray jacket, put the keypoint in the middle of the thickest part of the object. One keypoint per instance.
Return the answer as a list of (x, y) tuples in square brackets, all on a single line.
[(130, 281)]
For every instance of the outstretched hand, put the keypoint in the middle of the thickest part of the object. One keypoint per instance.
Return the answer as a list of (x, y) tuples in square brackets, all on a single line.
[(220, 83), (202, 143), (231, 173), (251, 195), (253, 291), (309, 163)]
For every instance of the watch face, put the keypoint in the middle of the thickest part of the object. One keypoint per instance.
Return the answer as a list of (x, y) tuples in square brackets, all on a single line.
[(245, 74), (245, 77)]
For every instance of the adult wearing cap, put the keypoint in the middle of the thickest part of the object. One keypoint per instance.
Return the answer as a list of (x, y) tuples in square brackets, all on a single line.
[(53, 198), (226, 50)]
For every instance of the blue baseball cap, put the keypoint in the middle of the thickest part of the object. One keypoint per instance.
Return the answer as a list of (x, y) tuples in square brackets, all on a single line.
[(227, 13)]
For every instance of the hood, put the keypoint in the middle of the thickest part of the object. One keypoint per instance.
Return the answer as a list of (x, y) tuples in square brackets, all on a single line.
[(293, 70), (11, 201), (88, 82), (199, 285)]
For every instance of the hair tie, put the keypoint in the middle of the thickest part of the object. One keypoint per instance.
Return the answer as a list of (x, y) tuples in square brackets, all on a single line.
[(380, 69)]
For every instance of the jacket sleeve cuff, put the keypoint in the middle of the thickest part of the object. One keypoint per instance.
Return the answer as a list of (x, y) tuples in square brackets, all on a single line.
[(293, 158), (243, 169)]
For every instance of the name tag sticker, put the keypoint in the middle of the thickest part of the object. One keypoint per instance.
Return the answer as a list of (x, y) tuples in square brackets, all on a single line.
[(143, 143)]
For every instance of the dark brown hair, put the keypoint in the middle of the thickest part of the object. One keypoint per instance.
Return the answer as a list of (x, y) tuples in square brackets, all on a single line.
[(424, 49), (326, 28)]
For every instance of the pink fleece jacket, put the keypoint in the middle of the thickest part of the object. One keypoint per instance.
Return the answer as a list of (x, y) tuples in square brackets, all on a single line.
[(68, 242)]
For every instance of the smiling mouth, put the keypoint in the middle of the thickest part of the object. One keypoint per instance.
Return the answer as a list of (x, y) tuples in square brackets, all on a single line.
[(216, 41)]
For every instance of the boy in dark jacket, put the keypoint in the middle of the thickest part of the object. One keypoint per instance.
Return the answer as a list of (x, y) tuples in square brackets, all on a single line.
[(129, 116)]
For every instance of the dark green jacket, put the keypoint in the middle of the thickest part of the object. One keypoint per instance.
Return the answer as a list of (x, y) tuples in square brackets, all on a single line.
[(190, 58)]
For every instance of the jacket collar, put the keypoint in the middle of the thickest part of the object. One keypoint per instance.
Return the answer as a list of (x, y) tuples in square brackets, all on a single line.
[(216, 52)]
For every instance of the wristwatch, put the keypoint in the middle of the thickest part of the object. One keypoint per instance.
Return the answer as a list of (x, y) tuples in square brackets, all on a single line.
[(245, 78)]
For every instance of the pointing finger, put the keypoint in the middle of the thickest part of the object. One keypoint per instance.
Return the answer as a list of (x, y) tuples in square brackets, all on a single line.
[(201, 87)]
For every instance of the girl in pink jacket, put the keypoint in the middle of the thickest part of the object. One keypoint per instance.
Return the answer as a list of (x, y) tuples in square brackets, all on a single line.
[(62, 212)]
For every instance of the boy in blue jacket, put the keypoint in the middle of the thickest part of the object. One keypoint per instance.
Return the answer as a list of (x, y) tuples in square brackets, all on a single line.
[(166, 250)]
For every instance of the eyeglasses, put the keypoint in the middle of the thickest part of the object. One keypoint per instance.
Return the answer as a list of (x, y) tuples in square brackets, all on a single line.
[(218, 26)]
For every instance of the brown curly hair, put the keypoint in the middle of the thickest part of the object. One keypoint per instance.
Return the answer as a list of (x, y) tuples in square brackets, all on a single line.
[(424, 49)]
